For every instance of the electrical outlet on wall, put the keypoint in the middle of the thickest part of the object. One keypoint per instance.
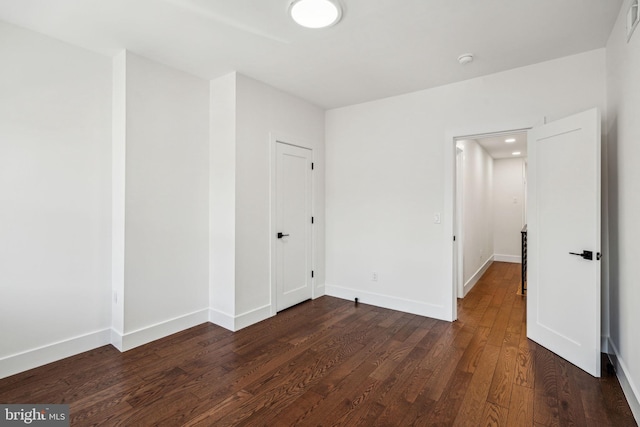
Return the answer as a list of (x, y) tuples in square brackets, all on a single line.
[(374, 276)]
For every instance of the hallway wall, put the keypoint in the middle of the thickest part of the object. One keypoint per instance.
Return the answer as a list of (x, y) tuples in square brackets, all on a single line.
[(508, 208), (478, 210)]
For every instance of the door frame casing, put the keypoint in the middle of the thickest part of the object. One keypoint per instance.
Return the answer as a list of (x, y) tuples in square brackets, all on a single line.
[(274, 139), (458, 229), (448, 220)]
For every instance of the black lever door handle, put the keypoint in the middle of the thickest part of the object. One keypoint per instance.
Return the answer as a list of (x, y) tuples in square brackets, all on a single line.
[(585, 255), (280, 235)]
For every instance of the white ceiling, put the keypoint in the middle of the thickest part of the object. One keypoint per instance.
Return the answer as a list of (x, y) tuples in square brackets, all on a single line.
[(498, 147), (380, 48)]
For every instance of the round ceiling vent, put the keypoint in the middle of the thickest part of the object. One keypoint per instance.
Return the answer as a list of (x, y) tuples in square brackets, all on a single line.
[(465, 58)]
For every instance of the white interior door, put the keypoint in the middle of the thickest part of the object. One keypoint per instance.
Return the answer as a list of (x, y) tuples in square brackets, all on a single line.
[(293, 225), (563, 287)]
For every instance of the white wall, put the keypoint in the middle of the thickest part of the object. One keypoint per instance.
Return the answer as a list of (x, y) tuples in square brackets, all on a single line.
[(623, 96), (508, 208), (261, 112), (118, 193), (55, 130), (386, 174), (166, 245), (477, 211), (222, 200)]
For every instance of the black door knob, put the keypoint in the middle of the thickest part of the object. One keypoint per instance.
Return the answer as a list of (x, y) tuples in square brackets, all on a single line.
[(280, 235)]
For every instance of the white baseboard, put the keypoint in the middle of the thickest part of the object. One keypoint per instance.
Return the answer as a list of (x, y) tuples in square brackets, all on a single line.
[(160, 330), (222, 319), (516, 259), (386, 301), (235, 323), (253, 316), (630, 389), (319, 291), (33, 358), (477, 275)]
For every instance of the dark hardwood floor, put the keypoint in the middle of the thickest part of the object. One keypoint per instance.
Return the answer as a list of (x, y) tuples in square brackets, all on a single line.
[(329, 362)]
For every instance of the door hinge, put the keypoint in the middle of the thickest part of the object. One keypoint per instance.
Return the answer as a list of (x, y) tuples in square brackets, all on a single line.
[(311, 165), (312, 274), (454, 238), (311, 220)]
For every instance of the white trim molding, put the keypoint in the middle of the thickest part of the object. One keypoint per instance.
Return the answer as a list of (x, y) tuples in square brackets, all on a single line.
[(129, 340), (20, 362), (516, 259), (477, 275), (221, 319), (235, 323), (393, 303)]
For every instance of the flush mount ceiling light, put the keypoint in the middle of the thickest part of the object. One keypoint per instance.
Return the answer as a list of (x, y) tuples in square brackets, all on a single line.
[(516, 153), (510, 140), (315, 13)]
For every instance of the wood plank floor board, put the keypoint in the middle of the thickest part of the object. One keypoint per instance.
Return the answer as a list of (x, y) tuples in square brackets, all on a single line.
[(331, 362), (570, 406), (499, 327), (347, 389), (545, 404), (446, 408), (521, 406), (524, 367), (494, 415), (281, 387), (435, 387), (473, 404), (503, 377), (471, 357), (296, 413), (479, 311), (489, 316), (397, 390), (593, 400), (418, 414)]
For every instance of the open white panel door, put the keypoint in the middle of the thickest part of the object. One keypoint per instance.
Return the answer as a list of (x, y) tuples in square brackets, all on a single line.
[(563, 288)]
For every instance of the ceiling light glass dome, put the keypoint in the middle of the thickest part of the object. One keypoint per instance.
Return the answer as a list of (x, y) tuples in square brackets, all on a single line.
[(315, 13)]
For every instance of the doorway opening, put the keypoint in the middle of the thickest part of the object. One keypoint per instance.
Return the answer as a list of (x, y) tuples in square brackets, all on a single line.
[(489, 210)]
